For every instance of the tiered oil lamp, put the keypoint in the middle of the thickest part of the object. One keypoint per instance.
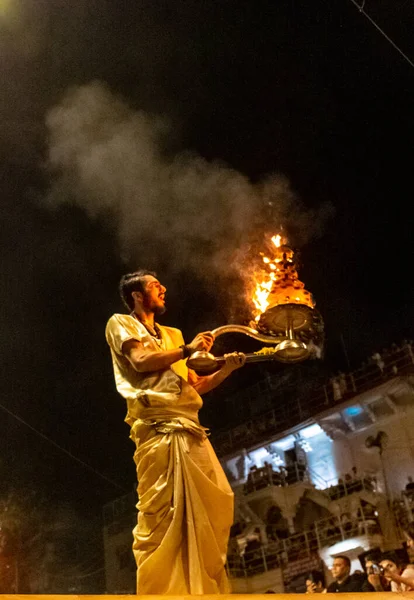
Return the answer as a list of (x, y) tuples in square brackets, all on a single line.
[(286, 316)]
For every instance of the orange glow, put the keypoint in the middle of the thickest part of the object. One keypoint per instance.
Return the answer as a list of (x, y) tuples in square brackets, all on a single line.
[(277, 240), (277, 282)]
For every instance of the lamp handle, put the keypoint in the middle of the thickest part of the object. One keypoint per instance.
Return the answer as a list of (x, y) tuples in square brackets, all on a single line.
[(204, 362)]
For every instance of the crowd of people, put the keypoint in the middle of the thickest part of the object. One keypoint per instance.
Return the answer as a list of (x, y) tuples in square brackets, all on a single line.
[(384, 364), (282, 547), (380, 367), (262, 477), (350, 483), (388, 571), (343, 580), (383, 572)]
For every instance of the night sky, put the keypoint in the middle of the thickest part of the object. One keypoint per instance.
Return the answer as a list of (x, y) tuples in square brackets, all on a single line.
[(170, 136)]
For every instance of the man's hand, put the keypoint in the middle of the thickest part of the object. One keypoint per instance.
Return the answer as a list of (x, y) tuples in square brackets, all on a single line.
[(310, 588), (209, 382), (202, 341), (234, 361), (375, 580)]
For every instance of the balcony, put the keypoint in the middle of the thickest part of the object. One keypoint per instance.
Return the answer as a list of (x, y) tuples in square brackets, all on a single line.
[(257, 558), (292, 411)]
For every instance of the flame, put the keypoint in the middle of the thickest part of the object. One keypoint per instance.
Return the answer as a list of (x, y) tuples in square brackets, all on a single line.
[(277, 282), (264, 279), (277, 240)]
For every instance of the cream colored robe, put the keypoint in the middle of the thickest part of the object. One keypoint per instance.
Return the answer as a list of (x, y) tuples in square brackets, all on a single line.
[(185, 506)]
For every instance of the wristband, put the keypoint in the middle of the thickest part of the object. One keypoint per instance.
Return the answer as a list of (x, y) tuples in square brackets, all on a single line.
[(187, 352)]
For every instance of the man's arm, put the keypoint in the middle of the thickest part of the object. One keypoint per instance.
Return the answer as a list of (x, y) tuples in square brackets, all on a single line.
[(367, 586), (145, 361), (209, 382), (401, 579)]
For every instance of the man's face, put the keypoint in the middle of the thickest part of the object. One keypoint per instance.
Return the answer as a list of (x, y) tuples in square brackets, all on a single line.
[(340, 569), (154, 295), (389, 565)]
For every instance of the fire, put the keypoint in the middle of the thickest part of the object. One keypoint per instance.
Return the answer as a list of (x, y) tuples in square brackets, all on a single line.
[(277, 240), (277, 281)]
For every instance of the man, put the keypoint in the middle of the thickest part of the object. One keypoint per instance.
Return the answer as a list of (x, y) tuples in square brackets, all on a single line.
[(393, 574), (344, 581), (185, 507)]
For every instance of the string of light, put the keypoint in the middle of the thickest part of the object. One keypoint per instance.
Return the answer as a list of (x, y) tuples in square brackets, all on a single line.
[(361, 8)]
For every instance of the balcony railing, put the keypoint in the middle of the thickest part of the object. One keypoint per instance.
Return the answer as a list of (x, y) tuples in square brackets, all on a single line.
[(296, 410), (267, 476), (259, 558), (345, 488)]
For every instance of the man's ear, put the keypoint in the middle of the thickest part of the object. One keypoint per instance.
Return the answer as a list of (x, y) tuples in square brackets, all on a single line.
[(137, 296)]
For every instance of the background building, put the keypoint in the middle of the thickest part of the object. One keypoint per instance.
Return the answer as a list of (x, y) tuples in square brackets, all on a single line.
[(316, 474)]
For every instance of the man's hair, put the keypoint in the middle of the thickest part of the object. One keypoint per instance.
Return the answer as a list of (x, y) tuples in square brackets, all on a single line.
[(392, 556), (344, 558), (133, 282), (374, 555)]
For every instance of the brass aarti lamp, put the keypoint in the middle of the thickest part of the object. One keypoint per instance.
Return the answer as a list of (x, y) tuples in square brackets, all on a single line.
[(286, 316)]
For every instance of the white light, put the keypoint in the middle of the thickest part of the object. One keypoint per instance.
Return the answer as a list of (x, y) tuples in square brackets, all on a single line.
[(311, 431), (259, 455), (277, 460), (344, 546), (286, 443), (305, 445)]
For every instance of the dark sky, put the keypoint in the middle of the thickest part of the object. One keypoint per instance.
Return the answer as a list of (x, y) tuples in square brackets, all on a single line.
[(155, 137)]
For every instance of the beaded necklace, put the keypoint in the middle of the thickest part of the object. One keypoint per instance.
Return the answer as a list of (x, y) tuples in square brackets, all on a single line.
[(155, 332)]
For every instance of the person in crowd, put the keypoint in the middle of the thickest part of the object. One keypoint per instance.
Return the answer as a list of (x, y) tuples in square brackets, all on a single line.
[(343, 387), (407, 346), (344, 581), (336, 389), (409, 540), (253, 554), (315, 583), (400, 575), (410, 485), (346, 522), (251, 480), (375, 572), (348, 481), (391, 574), (378, 361)]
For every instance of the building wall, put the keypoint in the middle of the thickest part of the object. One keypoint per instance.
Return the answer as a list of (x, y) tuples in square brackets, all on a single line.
[(259, 584), (397, 457), (331, 443), (336, 448)]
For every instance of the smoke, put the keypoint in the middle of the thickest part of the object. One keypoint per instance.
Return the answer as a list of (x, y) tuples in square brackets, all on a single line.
[(175, 211)]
